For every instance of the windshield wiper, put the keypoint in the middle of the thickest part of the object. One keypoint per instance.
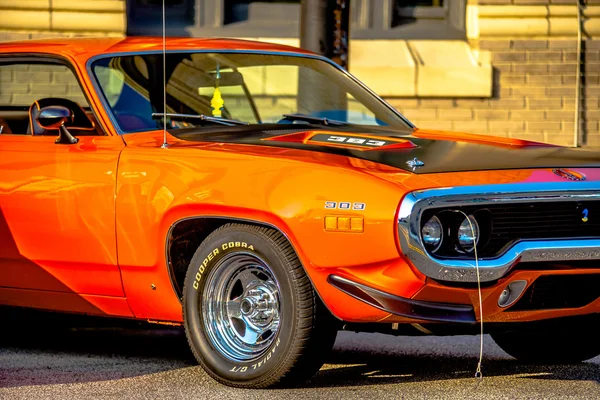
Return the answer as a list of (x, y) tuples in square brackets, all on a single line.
[(216, 120), (318, 120)]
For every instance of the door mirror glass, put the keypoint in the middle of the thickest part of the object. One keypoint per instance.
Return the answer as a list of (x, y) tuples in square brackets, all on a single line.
[(53, 117)]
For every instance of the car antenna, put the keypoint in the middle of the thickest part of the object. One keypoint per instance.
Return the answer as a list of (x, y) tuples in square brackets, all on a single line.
[(164, 51)]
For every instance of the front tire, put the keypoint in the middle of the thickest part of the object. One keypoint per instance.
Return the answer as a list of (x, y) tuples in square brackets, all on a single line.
[(553, 342), (251, 315)]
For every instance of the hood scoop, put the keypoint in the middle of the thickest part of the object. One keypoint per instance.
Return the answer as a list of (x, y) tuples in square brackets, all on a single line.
[(356, 141)]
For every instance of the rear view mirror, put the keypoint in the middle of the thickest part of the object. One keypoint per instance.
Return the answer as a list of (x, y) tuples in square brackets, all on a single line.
[(53, 117), (232, 78)]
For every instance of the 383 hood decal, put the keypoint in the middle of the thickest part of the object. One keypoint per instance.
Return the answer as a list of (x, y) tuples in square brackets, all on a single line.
[(396, 148)]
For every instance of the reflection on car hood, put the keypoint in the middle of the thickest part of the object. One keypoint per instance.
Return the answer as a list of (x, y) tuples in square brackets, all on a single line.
[(438, 151)]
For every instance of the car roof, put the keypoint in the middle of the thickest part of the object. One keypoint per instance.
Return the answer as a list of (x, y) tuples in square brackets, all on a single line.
[(82, 49)]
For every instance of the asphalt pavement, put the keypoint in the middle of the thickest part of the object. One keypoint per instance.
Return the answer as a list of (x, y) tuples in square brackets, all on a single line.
[(47, 359)]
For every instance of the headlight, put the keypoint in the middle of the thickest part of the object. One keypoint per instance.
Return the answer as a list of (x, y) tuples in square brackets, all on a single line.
[(468, 234), (432, 234)]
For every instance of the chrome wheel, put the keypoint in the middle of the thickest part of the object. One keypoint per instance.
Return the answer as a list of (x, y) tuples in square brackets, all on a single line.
[(241, 307), (251, 316)]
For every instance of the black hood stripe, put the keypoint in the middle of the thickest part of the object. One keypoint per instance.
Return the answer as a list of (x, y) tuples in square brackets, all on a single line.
[(437, 155)]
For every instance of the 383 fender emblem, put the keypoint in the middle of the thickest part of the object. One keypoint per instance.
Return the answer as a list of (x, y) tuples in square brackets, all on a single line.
[(344, 205)]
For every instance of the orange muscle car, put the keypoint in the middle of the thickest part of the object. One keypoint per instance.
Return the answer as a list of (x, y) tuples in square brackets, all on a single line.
[(264, 199)]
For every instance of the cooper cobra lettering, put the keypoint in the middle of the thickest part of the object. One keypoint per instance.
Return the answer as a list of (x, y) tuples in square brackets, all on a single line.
[(213, 253)]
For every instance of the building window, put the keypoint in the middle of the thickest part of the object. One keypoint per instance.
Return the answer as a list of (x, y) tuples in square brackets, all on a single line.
[(239, 10), (158, 3), (429, 19), (145, 16), (370, 19), (406, 12)]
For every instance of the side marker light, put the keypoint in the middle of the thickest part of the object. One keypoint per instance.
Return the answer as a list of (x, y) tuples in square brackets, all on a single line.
[(344, 224)]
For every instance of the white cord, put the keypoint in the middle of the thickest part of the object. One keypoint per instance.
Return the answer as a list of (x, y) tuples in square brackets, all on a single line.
[(478, 373), (164, 45)]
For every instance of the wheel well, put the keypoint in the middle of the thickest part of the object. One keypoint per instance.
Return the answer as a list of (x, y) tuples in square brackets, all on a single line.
[(186, 235), (184, 239)]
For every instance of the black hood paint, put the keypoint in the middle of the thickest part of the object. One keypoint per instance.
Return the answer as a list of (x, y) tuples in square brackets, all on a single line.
[(438, 155)]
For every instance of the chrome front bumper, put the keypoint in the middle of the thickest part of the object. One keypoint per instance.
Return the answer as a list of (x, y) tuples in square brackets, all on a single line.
[(459, 270)]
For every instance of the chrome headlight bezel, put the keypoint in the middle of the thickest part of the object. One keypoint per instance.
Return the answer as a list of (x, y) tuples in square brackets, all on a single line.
[(467, 235), (437, 242)]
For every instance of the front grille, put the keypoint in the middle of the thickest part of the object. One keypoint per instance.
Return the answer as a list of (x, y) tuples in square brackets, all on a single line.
[(510, 223), (559, 291)]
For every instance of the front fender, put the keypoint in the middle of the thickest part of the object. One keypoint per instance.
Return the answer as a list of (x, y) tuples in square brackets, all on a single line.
[(290, 194)]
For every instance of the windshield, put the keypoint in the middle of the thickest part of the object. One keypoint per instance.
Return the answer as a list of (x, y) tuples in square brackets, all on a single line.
[(251, 88)]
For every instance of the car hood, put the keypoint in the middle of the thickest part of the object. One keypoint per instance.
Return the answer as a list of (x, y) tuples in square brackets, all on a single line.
[(418, 151)]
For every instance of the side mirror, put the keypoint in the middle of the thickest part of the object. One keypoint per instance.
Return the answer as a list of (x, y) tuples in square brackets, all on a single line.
[(55, 117)]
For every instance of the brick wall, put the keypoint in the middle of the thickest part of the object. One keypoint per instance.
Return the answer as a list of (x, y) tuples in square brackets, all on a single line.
[(534, 94), (6, 36), (21, 85), (87, 17)]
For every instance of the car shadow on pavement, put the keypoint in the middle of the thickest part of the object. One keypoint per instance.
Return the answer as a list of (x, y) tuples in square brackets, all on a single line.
[(358, 368), (44, 348)]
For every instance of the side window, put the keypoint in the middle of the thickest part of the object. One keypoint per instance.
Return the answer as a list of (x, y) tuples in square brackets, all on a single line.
[(24, 83), (125, 83)]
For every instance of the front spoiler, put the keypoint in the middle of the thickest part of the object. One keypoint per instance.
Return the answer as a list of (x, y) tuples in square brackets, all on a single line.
[(422, 310)]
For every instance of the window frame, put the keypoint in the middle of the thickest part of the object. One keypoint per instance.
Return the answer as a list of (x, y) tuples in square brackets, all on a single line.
[(447, 22), (44, 58)]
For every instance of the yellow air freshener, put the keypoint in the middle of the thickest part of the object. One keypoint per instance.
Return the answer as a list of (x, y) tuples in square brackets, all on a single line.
[(217, 103)]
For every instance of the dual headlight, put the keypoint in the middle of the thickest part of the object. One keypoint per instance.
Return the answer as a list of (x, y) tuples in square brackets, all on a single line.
[(444, 229)]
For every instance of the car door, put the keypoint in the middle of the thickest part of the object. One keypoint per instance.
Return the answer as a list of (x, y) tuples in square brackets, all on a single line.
[(57, 201)]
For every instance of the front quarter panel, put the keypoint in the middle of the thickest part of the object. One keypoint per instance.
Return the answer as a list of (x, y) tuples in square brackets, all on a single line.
[(284, 188)]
